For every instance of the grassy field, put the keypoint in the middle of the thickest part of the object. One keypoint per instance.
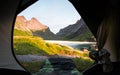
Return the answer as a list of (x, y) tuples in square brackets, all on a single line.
[(24, 45), (22, 33)]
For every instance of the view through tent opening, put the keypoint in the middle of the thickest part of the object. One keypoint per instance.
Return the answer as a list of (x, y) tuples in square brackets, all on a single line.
[(50, 29)]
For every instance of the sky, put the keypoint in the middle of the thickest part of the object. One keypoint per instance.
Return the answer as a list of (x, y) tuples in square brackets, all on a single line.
[(56, 14)]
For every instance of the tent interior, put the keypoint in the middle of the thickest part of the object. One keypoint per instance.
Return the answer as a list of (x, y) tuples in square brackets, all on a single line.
[(101, 16), (9, 10)]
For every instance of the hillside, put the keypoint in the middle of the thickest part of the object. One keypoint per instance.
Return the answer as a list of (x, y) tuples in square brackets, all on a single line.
[(24, 45), (32, 27), (78, 31), (31, 45)]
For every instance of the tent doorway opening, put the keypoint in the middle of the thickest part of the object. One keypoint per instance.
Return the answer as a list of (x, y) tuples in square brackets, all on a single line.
[(52, 30)]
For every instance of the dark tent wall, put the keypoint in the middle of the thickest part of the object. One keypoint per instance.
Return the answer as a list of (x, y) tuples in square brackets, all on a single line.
[(8, 11), (24, 4)]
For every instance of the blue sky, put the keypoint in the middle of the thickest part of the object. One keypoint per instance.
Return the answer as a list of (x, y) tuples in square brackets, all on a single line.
[(56, 14)]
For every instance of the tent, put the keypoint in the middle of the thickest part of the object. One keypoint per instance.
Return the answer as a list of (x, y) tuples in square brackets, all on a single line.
[(9, 10), (101, 16)]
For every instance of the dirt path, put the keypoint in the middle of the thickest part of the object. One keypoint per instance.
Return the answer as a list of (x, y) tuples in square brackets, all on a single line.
[(30, 58)]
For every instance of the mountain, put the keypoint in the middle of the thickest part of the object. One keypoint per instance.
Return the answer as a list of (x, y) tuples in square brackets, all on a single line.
[(78, 31), (28, 25), (33, 26)]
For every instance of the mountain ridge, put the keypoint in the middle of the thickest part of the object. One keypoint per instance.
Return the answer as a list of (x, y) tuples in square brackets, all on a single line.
[(33, 26), (77, 32)]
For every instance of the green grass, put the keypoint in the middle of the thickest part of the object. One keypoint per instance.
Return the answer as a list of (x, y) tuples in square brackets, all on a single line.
[(24, 45), (21, 33)]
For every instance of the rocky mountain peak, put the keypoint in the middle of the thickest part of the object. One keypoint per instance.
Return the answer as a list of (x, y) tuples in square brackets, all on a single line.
[(21, 18), (77, 22), (35, 25), (33, 18), (27, 25)]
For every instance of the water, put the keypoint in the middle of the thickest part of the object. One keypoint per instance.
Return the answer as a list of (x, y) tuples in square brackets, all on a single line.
[(73, 44)]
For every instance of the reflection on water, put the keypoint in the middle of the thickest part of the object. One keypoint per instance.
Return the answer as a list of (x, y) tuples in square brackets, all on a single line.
[(73, 44)]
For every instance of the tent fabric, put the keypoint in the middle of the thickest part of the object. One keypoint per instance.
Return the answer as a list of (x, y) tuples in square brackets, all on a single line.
[(92, 11), (9, 10), (24, 4)]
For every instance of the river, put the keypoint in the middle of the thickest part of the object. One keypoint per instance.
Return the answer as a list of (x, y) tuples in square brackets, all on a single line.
[(73, 44)]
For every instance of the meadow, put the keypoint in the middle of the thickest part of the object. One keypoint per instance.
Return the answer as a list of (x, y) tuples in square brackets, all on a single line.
[(24, 44)]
